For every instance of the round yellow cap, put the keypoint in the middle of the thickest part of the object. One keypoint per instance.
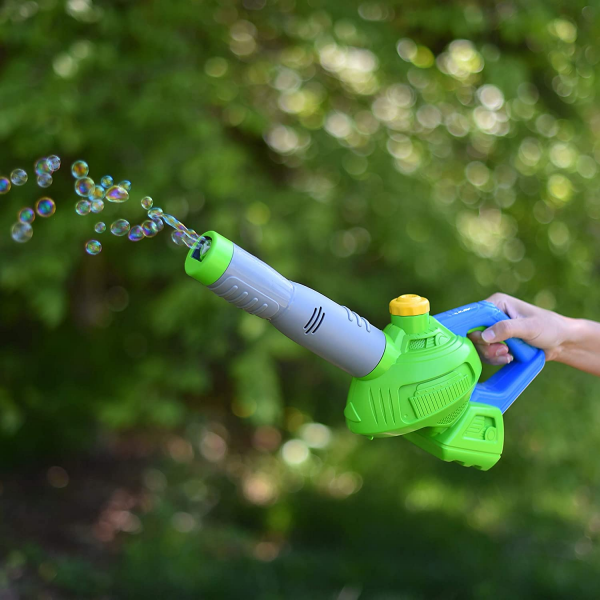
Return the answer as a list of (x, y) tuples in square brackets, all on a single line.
[(409, 305)]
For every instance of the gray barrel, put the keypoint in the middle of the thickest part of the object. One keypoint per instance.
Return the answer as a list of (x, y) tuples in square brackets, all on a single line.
[(310, 319)]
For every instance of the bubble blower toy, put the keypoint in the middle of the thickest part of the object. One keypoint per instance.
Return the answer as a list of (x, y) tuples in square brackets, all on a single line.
[(417, 378)]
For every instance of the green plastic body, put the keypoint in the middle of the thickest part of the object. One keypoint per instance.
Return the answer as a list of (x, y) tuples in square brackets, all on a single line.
[(421, 390)]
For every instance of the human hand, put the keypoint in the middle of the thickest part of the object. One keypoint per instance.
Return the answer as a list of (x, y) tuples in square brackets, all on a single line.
[(538, 327)]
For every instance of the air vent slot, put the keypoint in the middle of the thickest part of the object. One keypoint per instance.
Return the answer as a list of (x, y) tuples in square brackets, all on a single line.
[(422, 343), (315, 321)]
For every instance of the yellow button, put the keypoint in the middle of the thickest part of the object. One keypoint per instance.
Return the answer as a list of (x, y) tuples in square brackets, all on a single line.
[(409, 305)]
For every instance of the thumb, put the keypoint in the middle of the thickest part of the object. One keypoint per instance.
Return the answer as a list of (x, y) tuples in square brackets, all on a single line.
[(511, 328)]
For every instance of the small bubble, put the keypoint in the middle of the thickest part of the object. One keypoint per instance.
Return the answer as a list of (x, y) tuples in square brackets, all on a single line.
[(21, 232), (93, 247), (188, 241), (4, 185), (83, 207), (147, 202), (100, 227), (83, 186), (136, 233), (43, 167), (117, 194), (155, 213), (177, 237), (19, 177), (125, 184), (97, 206), (45, 207), (96, 193), (44, 180), (106, 181), (120, 227), (27, 215), (159, 224), (79, 169), (54, 162), (149, 228)]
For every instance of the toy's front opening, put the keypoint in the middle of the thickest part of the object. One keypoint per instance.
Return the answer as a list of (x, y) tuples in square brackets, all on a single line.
[(201, 248)]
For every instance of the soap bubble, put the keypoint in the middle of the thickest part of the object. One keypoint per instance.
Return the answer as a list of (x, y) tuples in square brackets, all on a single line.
[(106, 182), (96, 193), (79, 169), (97, 206), (173, 222), (155, 213), (44, 180), (100, 227), (26, 215), (159, 224), (149, 228), (54, 162), (136, 233), (120, 227), (4, 185), (19, 177), (83, 186), (43, 167), (21, 232), (177, 237), (147, 202), (188, 241), (125, 184), (45, 207), (117, 194), (83, 207), (93, 247)]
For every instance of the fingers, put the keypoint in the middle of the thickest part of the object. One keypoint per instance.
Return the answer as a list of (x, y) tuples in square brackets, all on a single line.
[(513, 307), (494, 354), (526, 329)]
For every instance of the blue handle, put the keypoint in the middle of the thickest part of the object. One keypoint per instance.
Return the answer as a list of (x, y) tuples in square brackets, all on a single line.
[(505, 386)]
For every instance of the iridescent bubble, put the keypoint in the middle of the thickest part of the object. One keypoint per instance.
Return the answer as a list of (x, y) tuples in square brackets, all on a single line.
[(173, 222), (54, 162), (149, 228), (100, 227), (45, 207), (83, 186), (44, 180), (155, 213), (83, 207), (159, 224), (177, 237), (27, 215), (96, 193), (188, 241), (97, 206), (106, 181), (43, 167), (19, 177), (5, 185), (147, 202), (117, 194), (125, 184), (79, 169), (21, 232), (93, 247), (120, 227), (136, 233)]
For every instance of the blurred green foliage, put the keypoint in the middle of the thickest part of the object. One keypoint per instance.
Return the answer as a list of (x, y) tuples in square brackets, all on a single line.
[(366, 150)]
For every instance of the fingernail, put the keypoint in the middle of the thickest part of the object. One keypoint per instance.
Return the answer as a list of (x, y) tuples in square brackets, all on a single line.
[(502, 350), (488, 335)]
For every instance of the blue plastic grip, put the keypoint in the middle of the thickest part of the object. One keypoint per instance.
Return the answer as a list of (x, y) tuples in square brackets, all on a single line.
[(505, 386)]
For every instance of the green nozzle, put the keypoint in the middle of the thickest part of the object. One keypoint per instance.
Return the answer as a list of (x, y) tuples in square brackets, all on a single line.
[(207, 268)]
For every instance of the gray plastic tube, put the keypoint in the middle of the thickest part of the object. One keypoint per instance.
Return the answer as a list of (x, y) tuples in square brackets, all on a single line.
[(331, 331)]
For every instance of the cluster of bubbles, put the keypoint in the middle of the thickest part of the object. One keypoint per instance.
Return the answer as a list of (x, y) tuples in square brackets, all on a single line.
[(93, 197), (92, 200), (22, 230)]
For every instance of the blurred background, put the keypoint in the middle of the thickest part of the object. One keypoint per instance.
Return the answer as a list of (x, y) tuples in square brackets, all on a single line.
[(155, 442)]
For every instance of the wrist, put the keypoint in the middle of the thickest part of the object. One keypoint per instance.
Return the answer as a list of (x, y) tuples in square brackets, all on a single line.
[(569, 336)]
